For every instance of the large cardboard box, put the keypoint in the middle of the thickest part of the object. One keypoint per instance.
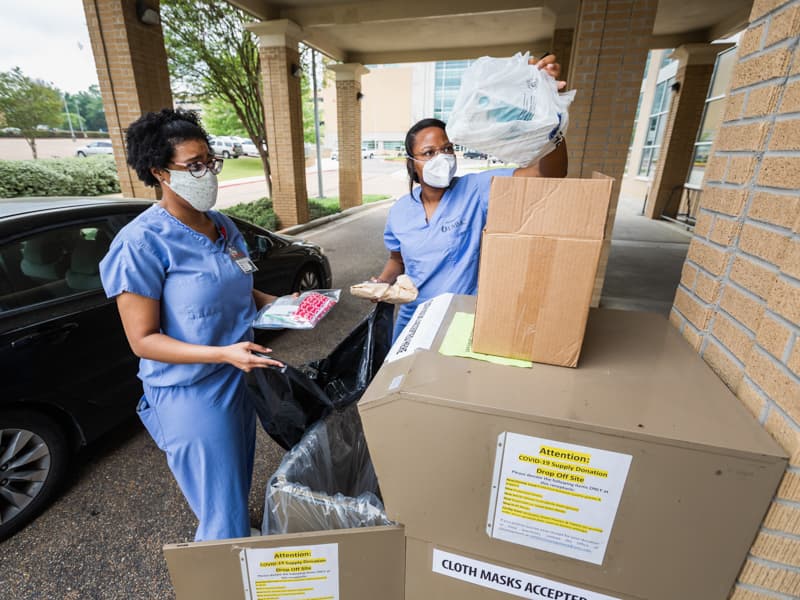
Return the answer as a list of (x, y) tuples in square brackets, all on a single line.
[(637, 476), (539, 258)]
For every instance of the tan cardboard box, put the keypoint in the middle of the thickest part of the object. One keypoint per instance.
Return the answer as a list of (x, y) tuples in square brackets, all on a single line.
[(639, 475), (539, 259), (369, 564)]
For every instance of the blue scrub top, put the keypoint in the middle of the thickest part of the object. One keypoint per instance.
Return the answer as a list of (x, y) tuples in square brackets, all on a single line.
[(442, 255), (205, 297)]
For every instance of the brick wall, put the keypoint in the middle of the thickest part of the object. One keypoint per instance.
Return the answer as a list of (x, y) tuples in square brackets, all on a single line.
[(348, 115), (738, 302), (284, 125), (132, 71), (608, 58)]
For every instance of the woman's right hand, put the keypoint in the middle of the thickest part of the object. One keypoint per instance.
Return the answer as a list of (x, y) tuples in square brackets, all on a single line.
[(241, 356)]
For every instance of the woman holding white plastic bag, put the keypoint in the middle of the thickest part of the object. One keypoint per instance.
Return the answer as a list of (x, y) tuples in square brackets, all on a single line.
[(433, 234)]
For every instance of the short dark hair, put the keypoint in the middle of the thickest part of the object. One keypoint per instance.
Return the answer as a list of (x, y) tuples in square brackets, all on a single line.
[(411, 137), (151, 139)]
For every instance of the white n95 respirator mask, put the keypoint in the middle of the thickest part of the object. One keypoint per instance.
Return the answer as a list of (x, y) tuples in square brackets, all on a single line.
[(439, 171)]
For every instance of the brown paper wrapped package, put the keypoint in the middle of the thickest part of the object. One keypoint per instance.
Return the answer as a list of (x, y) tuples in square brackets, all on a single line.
[(401, 291)]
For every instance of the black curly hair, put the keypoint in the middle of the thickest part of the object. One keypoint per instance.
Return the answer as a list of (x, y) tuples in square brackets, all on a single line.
[(151, 139), (411, 137)]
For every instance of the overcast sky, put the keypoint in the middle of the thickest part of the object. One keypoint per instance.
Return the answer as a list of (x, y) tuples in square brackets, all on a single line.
[(44, 39)]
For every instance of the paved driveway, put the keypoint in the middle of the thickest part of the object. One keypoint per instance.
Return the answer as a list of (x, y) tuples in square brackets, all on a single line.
[(102, 539)]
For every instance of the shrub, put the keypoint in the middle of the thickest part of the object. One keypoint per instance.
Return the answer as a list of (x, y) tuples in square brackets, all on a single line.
[(258, 213), (318, 209), (262, 214), (93, 176)]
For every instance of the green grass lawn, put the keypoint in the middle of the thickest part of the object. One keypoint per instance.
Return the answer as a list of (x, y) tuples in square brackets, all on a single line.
[(244, 166), (333, 201)]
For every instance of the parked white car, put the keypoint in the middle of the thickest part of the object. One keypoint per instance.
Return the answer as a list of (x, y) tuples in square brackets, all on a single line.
[(249, 148), (364, 154), (226, 148), (92, 148)]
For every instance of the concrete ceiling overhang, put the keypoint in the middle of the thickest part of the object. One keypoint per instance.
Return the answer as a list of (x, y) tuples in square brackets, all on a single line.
[(391, 31), (381, 31)]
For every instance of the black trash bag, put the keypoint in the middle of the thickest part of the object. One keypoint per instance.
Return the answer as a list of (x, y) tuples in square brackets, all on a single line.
[(289, 400), (345, 373)]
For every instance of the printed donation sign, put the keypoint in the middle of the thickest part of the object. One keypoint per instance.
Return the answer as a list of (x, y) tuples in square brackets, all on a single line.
[(555, 497), (510, 581), (295, 572)]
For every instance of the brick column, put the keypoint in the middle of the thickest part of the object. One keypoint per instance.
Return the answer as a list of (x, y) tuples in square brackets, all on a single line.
[(561, 46), (738, 303), (283, 113), (348, 123), (132, 72), (695, 68), (606, 67)]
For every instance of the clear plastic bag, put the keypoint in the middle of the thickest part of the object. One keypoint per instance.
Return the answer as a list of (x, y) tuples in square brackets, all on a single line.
[(297, 312), (509, 108), (326, 481)]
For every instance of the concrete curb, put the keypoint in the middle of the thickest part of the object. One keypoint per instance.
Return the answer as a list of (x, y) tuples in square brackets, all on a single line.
[(295, 229)]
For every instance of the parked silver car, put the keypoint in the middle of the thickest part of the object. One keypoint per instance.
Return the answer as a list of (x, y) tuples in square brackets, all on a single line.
[(92, 148), (226, 148)]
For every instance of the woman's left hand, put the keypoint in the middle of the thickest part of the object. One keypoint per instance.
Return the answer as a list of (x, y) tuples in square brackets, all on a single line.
[(551, 67)]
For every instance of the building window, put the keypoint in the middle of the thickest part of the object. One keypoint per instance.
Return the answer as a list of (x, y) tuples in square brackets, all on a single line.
[(659, 114), (393, 145), (713, 114), (446, 85), (369, 145)]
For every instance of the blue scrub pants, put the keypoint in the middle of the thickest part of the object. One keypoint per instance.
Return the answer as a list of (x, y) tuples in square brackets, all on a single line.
[(207, 430)]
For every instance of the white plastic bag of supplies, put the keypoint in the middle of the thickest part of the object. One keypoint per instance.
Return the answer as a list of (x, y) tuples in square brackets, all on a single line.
[(509, 108)]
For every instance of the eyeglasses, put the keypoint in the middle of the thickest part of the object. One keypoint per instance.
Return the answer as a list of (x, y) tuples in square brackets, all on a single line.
[(198, 168), (430, 153)]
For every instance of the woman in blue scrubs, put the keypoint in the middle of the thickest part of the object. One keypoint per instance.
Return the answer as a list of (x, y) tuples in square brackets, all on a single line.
[(433, 234), (182, 280)]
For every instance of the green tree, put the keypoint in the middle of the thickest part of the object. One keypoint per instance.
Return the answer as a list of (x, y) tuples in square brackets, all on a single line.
[(220, 118), (88, 104), (212, 56), (27, 103)]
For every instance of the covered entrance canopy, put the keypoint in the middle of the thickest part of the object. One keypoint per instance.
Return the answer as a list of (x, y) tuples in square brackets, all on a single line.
[(601, 44)]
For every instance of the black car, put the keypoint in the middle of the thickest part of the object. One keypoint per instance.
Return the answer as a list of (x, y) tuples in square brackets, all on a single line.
[(474, 154), (67, 370)]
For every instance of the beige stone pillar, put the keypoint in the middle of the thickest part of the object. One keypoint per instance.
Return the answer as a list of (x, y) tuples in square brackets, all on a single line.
[(606, 66), (695, 68), (348, 118), (283, 113), (132, 72)]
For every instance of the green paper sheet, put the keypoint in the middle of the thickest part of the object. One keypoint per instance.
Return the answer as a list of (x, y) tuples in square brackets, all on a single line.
[(458, 342)]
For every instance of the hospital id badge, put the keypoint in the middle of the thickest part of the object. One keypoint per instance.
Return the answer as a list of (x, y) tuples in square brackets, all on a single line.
[(243, 262)]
